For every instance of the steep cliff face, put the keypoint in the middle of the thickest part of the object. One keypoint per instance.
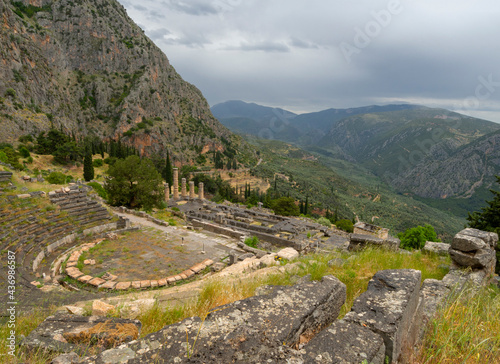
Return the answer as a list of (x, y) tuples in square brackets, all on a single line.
[(86, 67)]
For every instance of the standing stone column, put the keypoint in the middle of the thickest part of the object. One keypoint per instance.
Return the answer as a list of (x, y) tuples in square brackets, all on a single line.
[(191, 190), (201, 192), (176, 183), (167, 192), (183, 188)]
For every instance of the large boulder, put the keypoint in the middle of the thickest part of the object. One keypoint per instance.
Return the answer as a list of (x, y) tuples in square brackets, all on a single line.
[(388, 307)]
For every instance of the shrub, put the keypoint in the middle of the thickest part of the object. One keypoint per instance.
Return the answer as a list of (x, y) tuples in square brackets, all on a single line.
[(98, 162), (10, 92), (98, 189), (3, 157), (324, 221), (24, 152), (57, 178), (252, 241), (416, 237), (345, 225)]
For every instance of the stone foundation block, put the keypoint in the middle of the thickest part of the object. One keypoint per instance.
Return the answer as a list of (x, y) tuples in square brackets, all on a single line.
[(388, 307), (480, 259), (345, 342)]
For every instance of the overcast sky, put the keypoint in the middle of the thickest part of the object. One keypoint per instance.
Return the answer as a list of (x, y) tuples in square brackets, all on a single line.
[(312, 55)]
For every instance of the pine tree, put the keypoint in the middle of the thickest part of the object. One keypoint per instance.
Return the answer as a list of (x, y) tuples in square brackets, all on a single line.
[(489, 217), (88, 167)]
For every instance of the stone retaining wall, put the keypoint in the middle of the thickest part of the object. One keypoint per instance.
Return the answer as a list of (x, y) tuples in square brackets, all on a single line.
[(68, 239), (5, 176)]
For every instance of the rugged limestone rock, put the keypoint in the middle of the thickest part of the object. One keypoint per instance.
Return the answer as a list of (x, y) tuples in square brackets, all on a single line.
[(66, 333), (466, 243), (472, 248), (256, 329), (388, 307), (85, 67)]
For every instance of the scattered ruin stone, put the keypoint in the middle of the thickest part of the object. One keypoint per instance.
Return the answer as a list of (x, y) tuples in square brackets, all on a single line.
[(368, 229), (109, 277), (288, 253), (242, 257), (388, 307), (100, 308), (436, 248), (217, 267), (70, 358), (268, 260), (74, 310), (67, 333), (337, 262)]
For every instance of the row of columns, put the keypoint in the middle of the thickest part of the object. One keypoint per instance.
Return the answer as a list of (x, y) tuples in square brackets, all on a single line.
[(201, 192)]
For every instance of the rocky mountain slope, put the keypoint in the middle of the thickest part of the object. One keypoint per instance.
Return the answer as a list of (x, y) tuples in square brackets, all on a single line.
[(461, 174), (85, 67), (407, 149)]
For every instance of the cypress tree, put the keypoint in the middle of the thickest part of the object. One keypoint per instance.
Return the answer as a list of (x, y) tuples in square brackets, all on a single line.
[(306, 207), (88, 167), (168, 173)]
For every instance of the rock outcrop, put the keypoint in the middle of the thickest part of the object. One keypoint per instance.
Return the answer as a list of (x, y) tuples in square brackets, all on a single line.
[(86, 68)]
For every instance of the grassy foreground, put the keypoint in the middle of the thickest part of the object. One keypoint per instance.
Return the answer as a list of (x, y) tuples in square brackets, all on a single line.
[(465, 331)]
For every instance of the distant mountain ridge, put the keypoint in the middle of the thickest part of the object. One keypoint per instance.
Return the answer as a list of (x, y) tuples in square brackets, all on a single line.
[(428, 152), (276, 123)]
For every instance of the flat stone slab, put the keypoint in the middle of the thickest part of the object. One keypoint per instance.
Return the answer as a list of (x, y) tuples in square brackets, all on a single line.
[(257, 329), (188, 273), (74, 272), (62, 332), (145, 284), (345, 342), (85, 279), (109, 285), (123, 285), (162, 282), (136, 284), (97, 281), (388, 306)]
